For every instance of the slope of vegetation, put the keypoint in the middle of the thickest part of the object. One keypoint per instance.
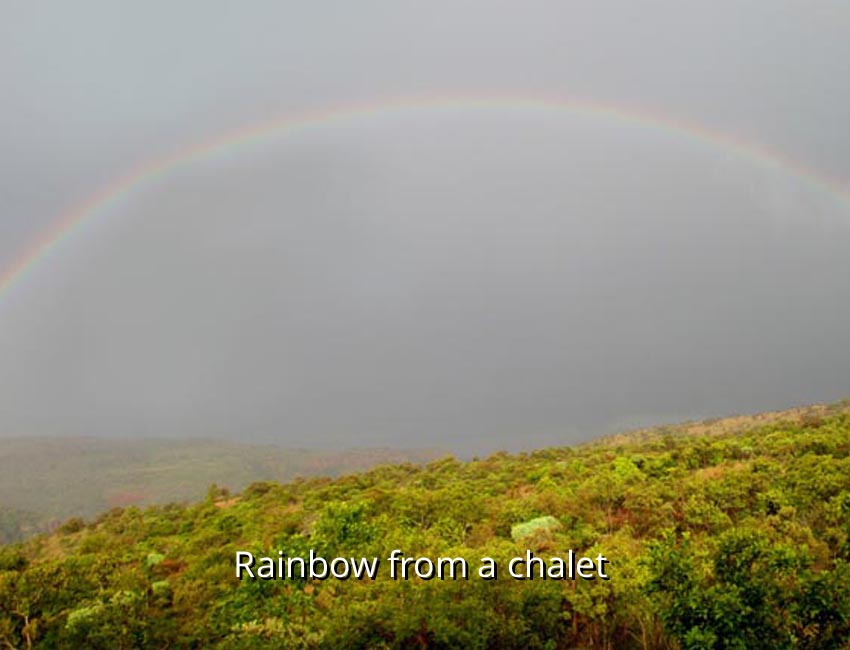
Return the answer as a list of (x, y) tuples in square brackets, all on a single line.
[(44, 481), (734, 534)]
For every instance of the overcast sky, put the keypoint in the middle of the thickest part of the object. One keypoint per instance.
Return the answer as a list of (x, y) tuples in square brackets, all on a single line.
[(466, 278)]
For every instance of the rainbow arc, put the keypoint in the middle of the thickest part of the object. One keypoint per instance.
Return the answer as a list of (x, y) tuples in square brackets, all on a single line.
[(100, 203)]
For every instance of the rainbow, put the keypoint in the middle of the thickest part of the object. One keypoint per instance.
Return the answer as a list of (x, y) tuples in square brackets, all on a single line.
[(73, 220)]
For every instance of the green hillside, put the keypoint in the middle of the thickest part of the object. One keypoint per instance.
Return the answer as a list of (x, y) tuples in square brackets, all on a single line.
[(729, 534), (44, 481)]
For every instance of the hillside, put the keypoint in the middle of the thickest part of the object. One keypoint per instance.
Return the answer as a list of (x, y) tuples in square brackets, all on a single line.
[(44, 481), (726, 534)]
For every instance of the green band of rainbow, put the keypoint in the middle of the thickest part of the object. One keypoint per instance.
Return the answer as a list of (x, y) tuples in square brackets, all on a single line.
[(99, 203)]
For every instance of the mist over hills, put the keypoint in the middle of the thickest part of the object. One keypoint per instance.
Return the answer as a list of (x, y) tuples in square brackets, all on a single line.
[(44, 481)]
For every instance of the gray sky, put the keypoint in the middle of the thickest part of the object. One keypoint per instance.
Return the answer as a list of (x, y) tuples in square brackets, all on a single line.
[(468, 279)]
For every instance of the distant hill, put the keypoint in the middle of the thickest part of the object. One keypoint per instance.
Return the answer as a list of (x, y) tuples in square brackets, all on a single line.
[(44, 481), (727, 534)]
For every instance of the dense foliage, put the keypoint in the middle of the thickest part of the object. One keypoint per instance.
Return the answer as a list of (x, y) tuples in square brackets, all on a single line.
[(727, 535)]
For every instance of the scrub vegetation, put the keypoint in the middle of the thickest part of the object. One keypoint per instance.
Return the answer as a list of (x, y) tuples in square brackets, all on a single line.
[(726, 534)]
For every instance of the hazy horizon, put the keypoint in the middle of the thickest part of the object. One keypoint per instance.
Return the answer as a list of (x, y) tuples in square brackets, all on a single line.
[(463, 278)]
